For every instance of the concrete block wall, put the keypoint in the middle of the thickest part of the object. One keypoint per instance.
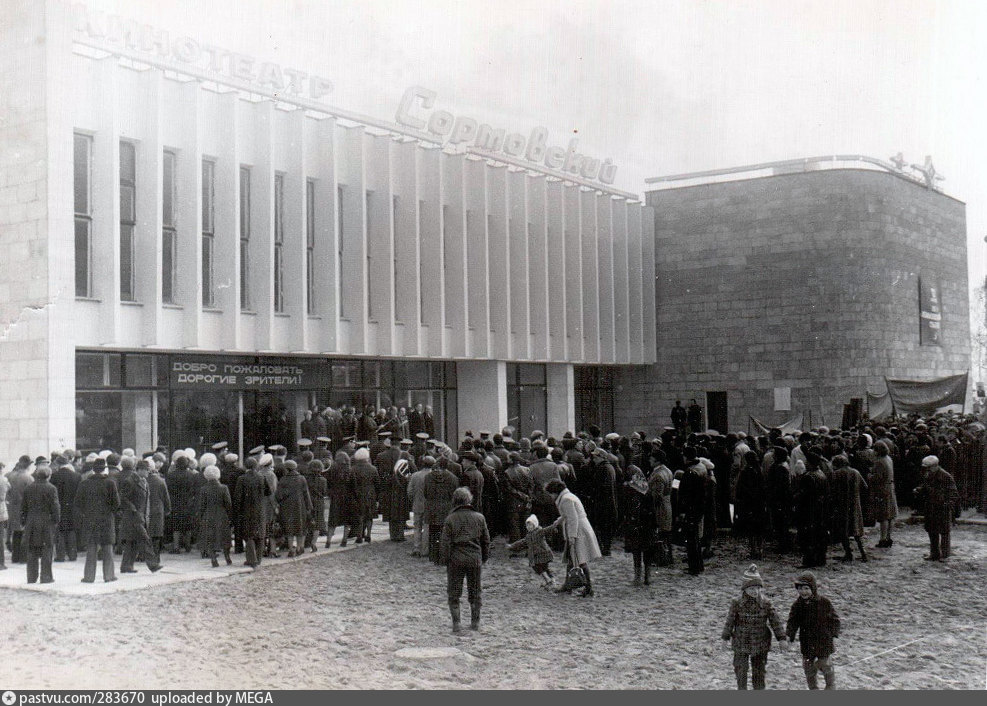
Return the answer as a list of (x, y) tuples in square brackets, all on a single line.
[(807, 281)]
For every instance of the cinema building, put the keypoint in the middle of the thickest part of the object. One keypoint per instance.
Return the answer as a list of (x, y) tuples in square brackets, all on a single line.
[(197, 247)]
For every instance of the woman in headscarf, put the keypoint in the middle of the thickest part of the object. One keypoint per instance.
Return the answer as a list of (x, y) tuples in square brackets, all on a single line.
[(883, 503), (215, 507), (640, 523)]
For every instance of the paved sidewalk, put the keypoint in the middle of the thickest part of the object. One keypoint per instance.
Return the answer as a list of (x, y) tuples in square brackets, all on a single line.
[(176, 568)]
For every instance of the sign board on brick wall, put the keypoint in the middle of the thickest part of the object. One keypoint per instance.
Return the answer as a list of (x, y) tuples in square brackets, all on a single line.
[(783, 399), (930, 311)]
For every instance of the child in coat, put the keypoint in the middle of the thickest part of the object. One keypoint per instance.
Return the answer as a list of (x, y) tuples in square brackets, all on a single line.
[(749, 624), (539, 553), (812, 616)]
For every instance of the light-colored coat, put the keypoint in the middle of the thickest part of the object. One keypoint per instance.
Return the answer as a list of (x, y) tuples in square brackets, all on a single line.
[(580, 537)]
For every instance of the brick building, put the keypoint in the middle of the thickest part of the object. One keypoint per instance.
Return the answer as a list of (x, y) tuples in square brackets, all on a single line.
[(795, 292)]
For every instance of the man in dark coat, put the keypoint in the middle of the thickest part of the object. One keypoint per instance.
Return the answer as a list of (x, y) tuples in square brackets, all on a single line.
[(464, 549), (679, 417), (939, 496), (439, 485), (19, 478), (340, 506), (295, 507), (846, 486), (691, 507), (603, 479), (812, 502), (159, 507), (518, 489), (134, 514), (317, 488), (364, 488), (780, 499), (366, 425), (695, 417), (183, 483), (40, 513), (229, 473), (416, 421), (96, 503), (472, 478), (403, 469), (66, 481), (384, 462), (251, 502)]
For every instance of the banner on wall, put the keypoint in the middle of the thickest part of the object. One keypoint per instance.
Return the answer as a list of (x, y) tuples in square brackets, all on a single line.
[(218, 373), (930, 311), (909, 396)]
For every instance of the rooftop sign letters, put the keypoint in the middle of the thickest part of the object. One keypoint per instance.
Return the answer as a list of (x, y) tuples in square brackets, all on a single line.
[(130, 35), (534, 147)]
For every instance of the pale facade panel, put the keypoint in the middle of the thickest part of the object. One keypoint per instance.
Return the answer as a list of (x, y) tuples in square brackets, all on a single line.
[(555, 269), (537, 268), (574, 299), (605, 269), (518, 259), (591, 276), (635, 263), (621, 284), (499, 261), (477, 252), (454, 254), (407, 303)]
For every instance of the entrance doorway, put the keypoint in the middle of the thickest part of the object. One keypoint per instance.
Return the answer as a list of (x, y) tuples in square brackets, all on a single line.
[(716, 411)]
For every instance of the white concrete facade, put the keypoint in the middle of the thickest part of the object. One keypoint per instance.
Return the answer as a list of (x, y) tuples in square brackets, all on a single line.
[(420, 252)]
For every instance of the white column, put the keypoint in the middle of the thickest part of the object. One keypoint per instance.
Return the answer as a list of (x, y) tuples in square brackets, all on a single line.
[(353, 268), (477, 252), (226, 250), (454, 253), (591, 277), (188, 215), (147, 235), (635, 268), (295, 248), (321, 166), (499, 261), (261, 275), (555, 268), (537, 268), (574, 297), (518, 238), (604, 222), (407, 304), (106, 204), (380, 242), (481, 396), (561, 401), (648, 273), (621, 293), (431, 254)]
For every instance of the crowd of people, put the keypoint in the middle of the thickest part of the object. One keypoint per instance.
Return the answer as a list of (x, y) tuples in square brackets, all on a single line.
[(577, 494)]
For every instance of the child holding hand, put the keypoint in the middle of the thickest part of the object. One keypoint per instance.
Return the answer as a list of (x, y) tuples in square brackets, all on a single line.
[(539, 553)]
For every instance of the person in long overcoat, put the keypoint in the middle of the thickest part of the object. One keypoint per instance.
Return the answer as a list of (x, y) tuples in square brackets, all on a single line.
[(472, 478), (66, 481), (416, 498), (251, 502), (183, 483), (883, 503), (581, 544), (229, 473), (40, 513), (640, 523), (215, 506), (317, 488), (295, 506), (750, 492), (19, 478), (384, 462), (438, 487), (96, 503), (812, 501), (364, 487), (340, 507), (603, 490), (159, 507), (939, 495), (134, 514), (4, 489), (660, 484), (404, 468), (846, 487)]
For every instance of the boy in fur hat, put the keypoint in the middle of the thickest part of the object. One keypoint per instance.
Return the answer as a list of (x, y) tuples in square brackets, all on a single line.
[(749, 625), (815, 621)]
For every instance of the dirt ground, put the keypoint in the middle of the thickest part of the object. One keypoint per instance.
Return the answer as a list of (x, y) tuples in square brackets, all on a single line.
[(336, 621)]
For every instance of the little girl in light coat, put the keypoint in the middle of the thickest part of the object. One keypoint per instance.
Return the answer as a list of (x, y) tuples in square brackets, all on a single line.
[(539, 553)]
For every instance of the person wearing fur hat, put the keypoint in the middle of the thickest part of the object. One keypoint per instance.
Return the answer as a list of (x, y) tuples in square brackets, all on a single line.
[(40, 513), (134, 511), (813, 618), (183, 484), (19, 479), (464, 546), (364, 489), (250, 499), (535, 543), (748, 628), (96, 503), (214, 509), (66, 481), (295, 507)]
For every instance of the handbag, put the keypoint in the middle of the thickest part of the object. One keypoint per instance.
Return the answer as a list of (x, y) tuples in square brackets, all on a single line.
[(574, 579)]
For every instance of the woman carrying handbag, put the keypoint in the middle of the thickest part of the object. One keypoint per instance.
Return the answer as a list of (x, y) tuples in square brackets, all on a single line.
[(581, 544)]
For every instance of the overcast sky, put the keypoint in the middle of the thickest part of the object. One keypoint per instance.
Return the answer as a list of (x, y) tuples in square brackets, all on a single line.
[(659, 86)]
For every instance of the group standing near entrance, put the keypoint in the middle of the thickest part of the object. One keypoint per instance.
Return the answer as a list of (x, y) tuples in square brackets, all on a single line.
[(577, 495)]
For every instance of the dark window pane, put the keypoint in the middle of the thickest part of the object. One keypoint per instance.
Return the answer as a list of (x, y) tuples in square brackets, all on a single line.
[(385, 375), (512, 373), (346, 373), (411, 375), (98, 421), (244, 274), (82, 257), (128, 161), (114, 362), (128, 208), (161, 370), (139, 369), (89, 370), (208, 185), (532, 374), (207, 286), (168, 189), (201, 418), (168, 266), (451, 417), (81, 165), (370, 368), (435, 374), (451, 375), (127, 263)]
